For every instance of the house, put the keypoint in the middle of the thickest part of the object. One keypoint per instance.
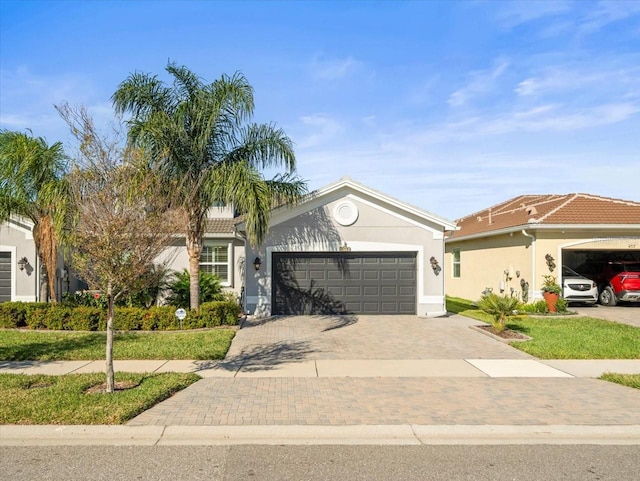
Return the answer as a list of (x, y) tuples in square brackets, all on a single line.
[(344, 248), (19, 265), (509, 247)]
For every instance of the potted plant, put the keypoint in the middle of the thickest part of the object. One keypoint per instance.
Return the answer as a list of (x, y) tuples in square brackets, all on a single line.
[(551, 292)]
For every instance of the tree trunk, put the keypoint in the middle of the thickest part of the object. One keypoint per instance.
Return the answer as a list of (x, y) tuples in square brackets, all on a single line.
[(194, 280), (194, 248), (44, 283), (109, 354)]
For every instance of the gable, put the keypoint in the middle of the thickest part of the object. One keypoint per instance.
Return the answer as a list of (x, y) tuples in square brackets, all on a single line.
[(379, 209)]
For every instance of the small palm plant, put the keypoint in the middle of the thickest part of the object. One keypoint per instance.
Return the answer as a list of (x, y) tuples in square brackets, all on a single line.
[(500, 308)]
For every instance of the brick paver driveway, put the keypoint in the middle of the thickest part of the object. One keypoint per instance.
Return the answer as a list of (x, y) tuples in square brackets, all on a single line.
[(298, 338), (271, 400), (625, 313)]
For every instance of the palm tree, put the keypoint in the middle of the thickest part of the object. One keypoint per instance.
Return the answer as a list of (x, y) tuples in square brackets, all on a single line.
[(206, 151), (32, 185)]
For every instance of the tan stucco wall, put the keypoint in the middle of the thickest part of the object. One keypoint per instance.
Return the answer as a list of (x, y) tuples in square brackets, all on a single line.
[(484, 260)]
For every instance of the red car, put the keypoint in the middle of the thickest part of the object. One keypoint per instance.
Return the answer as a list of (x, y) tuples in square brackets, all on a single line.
[(617, 280)]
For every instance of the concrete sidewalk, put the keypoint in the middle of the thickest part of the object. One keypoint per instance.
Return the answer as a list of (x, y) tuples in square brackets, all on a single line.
[(322, 368)]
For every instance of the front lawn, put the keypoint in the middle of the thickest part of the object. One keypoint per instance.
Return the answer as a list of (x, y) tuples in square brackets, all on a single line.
[(577, 338), (39, 399), (564, 337), (19, 345)]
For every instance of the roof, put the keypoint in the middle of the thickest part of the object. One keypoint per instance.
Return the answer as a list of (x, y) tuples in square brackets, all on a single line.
[(566, 210), (220, 226)]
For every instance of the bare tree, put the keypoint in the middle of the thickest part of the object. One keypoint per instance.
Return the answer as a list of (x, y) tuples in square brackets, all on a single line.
[(121, 220)]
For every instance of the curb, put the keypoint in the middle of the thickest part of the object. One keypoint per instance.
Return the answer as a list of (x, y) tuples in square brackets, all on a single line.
[(404, 434)]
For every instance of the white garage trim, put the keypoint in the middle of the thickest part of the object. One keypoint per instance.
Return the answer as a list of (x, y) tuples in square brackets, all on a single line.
[(12, 251)]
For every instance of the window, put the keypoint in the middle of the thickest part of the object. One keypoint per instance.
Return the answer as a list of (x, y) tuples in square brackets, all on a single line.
[(456, 262), (215, 260)]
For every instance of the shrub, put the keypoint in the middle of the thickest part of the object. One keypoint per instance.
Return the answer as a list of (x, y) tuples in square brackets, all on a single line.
[(539, 307), (219, 313), (500, 308), (179, 294), (562, 305), (85, 319)]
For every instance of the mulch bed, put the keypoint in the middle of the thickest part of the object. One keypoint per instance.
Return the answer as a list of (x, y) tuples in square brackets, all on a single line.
[(506, 334), (119, 386)]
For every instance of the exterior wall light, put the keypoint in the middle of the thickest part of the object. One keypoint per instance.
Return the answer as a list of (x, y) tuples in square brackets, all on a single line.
[(22, 263), (257, 263), (434, 263)]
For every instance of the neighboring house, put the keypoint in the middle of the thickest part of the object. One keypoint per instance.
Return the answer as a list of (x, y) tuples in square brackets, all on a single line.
[(20, 264), (344, 249), (510, 246)]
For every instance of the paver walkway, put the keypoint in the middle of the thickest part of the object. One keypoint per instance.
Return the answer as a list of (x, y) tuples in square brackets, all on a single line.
[(255, 393)]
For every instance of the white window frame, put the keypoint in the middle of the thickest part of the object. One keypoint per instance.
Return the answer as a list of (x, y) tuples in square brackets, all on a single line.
[(229, 263), (456, 264)]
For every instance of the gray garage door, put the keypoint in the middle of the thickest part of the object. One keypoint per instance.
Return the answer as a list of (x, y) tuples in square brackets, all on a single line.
[(5, 276), (341, 283)]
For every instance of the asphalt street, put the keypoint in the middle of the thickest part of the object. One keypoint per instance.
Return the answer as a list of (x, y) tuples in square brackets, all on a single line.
[(309, 463)]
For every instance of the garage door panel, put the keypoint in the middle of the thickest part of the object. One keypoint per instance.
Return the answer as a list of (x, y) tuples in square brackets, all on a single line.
[(389, 291), (321, 283)]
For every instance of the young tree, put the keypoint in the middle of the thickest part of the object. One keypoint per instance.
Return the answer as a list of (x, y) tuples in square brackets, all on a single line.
[(32, 185), (122, 220), (197, 136)]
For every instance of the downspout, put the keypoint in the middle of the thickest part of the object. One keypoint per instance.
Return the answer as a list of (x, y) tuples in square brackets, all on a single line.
[(533, 263)]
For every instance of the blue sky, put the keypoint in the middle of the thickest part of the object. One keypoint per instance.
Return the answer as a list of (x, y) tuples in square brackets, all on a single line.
[(449, 106)]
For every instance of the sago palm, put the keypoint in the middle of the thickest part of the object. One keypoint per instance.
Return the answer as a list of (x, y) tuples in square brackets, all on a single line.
[(199, 135), (32, 186)]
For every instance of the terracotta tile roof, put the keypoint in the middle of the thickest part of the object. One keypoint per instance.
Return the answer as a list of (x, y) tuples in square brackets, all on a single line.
[(220, 226), (550, 209)]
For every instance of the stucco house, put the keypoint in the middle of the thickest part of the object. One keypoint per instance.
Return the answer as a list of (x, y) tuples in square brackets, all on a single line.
[(19, 265), (509, 247), (344, 248)]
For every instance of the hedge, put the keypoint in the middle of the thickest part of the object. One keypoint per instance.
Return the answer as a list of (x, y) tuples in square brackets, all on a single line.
[(38, 315)]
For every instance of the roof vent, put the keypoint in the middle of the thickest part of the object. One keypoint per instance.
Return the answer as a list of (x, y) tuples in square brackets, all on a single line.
[(532, 210)]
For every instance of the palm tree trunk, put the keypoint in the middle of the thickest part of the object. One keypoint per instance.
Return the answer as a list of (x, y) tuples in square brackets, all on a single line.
[(194, 249), (109, 352), (47, 249)]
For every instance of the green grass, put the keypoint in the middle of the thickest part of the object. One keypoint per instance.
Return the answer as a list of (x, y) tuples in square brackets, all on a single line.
[(457, 305), (577, 338), (39, 399), (629, 380), (564, 337), (21, 345)]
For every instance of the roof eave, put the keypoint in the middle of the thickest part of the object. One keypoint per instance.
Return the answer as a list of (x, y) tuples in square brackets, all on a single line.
[(509, 230)]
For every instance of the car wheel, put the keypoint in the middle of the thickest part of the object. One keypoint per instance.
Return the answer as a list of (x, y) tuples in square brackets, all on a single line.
[(608, 297)]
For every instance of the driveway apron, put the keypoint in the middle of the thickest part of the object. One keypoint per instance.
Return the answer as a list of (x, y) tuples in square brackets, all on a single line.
[(273, 375)]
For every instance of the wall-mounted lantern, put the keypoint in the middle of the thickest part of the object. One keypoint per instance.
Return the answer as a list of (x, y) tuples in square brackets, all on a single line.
[(257, 263), (434, 263), (22, 263)]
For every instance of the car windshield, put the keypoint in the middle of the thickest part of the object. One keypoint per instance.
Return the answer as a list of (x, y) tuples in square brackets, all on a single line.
[(568, 272)]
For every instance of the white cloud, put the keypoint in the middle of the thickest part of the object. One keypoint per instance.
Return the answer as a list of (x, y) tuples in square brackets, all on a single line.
[(562, 80), (480, 83), (333, 69), (514, 13), (318, 129), (607, 12)]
